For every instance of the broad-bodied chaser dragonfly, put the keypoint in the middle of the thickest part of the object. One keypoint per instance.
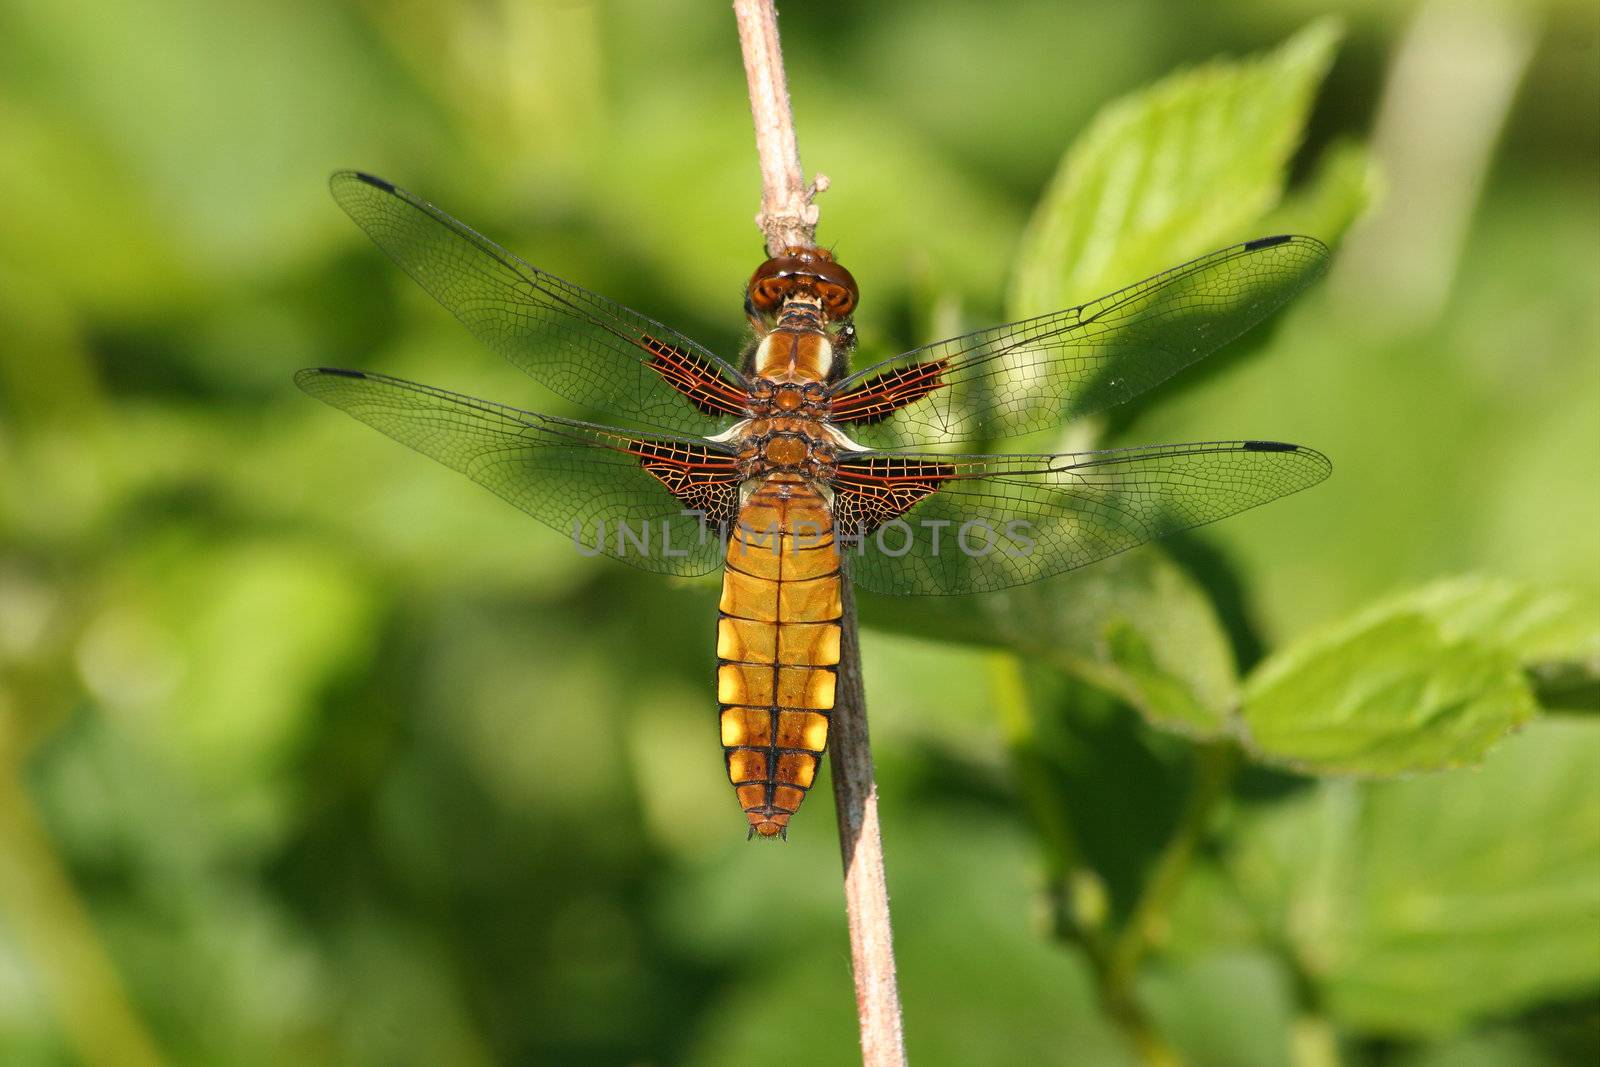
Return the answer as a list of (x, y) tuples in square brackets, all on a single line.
[(791, 471)]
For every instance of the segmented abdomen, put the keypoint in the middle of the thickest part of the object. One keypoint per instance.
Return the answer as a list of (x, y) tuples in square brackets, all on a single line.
[(778, 648)]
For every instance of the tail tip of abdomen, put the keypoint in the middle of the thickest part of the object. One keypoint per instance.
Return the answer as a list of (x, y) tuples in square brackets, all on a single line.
[(768, 824)]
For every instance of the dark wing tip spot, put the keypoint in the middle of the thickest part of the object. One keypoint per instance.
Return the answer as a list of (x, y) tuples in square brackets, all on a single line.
[(341, 372), (1270, 446), (373, 180), (1268, 242)]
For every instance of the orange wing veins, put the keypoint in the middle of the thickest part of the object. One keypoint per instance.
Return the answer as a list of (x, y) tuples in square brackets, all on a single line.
[(870, 492), (877, 398), (703, 480), (694, 377)]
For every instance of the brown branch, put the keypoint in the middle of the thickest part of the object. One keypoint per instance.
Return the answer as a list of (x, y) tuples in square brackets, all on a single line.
[(789, 218), (866, 888)]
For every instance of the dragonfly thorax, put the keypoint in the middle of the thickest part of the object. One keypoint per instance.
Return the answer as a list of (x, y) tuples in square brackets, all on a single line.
[(769, 397), (785, 445), (795, 356)]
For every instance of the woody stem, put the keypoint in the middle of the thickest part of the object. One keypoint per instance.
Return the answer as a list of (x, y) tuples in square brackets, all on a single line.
[(788, 219)]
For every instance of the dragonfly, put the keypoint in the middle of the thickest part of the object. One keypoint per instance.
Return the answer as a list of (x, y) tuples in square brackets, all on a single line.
[(793, 472)]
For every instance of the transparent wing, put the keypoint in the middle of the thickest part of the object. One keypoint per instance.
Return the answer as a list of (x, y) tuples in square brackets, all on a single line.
[(582, 346), (936, 524), (588, 482), (1032, 374)]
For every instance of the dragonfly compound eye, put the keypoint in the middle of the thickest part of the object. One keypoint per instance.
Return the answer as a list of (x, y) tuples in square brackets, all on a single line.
[(767, 293), (838, 299), (807, 270)]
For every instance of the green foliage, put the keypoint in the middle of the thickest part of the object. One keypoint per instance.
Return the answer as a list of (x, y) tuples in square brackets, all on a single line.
[(1416, 906), (1345, 184), (1232, 1007), (1427, 680), (1405, 909), (1136, 624), (1188, 165)]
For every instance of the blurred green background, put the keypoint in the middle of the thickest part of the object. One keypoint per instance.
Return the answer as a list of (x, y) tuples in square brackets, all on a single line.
[(313, 752)]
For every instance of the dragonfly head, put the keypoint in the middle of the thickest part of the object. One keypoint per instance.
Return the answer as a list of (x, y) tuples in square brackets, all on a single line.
[(803, 270)]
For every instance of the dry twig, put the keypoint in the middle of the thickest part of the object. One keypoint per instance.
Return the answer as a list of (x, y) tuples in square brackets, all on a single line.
[(789, 218)]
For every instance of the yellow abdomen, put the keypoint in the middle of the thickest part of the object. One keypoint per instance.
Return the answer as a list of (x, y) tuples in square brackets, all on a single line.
[(778, 648)]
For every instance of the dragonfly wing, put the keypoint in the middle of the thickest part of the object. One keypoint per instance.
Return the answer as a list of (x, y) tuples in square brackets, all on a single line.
[(935, 524), (578, 344), (1032, 374), (589, 482)]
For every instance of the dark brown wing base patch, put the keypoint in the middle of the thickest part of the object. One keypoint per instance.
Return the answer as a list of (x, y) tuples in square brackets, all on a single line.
[(694, 377), (703, 480), (871, 491), (877, 398)]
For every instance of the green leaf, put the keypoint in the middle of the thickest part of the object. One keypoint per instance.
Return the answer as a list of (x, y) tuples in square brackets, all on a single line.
[(1534, 624), (1345, 186), (1427, 680), (1135, 671), (1234, 1008), (1135, 625), (1416, 906), (1173, 171)]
